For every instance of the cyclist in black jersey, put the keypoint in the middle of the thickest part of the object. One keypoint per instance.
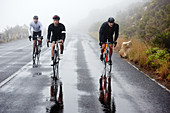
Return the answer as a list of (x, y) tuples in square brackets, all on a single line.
[(58, 33), (107, 30)]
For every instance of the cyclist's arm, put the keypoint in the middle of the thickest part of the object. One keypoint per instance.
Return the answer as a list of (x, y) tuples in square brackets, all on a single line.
[(49, 32), (116, 33), (101, 33), (29, 30), (63, 33)]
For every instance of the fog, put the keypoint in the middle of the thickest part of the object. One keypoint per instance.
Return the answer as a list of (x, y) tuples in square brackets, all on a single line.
[(74, 13)]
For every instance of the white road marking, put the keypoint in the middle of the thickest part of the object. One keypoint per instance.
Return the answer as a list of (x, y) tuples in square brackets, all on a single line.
[(150, 77), (16, 73)]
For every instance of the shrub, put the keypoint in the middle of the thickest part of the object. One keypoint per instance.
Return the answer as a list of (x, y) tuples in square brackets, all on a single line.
[(162, 40)]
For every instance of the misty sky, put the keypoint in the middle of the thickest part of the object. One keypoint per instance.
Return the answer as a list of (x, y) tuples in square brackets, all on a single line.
[(21, 12)]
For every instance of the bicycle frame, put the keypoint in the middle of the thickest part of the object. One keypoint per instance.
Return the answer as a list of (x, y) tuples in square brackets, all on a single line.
[(35, 51), (106, 56), (56, 60)]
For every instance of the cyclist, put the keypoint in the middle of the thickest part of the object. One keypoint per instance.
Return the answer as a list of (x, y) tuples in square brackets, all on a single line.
[(37, 31), (58, 34), (106, 33)]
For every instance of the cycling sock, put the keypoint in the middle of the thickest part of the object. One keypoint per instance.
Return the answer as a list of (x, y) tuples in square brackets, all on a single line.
[(52, 58)]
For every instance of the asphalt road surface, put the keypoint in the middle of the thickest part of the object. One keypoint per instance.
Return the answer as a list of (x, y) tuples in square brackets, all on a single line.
[(24, 89)]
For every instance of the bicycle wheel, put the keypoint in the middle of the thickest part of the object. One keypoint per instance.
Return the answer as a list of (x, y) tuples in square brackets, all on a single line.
[(109, 65), (38, 55), (34, 55), (57, 64), (54, 65), (37, 59), (105, 63)]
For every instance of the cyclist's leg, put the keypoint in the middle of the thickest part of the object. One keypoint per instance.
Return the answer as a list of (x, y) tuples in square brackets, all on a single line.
[(52, 50), (111, 49), (61, 47), (34, 40), (102, 50), (39, 39), (111, 46), (103, 47)]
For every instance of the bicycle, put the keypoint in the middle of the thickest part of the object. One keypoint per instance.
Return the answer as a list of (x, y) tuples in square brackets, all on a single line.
[(107, 58), (36, 52), (56, 60)]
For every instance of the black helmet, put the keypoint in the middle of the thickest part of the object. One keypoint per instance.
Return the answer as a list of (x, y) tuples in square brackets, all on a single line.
[(111, 20), (56, 17), (35, 17)]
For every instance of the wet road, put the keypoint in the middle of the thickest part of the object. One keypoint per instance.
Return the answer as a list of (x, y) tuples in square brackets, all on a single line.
[(128, 91)]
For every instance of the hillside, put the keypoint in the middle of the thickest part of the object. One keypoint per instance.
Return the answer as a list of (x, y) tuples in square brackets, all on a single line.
[(151, 22), (147, 25)]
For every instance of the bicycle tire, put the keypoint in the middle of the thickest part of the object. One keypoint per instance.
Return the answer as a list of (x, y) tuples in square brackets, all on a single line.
[(38, 55), (34, 58), (54, 65), (109, 66)]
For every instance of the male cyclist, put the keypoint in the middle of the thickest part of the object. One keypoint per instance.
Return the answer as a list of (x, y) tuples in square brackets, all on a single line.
[(58, 34), (106, 33), (37, 31)]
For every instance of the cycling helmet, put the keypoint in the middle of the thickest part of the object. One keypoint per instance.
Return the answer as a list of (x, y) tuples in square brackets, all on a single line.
[(35, 17), (111, 20), (56, 17)]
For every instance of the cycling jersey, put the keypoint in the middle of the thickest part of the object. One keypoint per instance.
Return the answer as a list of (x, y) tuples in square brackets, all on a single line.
[(37, 27), (58, 32), (106, 32)]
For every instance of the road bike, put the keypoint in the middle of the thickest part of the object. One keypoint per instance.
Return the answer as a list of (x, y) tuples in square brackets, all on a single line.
[(107, 58), (36, 52), (56, 60)]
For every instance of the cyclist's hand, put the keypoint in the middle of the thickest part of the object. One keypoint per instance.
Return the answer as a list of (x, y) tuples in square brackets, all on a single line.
[(41, 37), (48, 40), (115, 43), (29, 38), (100, 43)]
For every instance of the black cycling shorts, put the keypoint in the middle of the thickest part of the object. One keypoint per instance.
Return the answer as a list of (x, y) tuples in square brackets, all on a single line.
[(56, 39), (35, 34), (109, 40)]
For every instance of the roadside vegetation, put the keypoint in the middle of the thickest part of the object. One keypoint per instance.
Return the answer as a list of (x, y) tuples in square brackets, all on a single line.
[(14, 33), (148, 27)]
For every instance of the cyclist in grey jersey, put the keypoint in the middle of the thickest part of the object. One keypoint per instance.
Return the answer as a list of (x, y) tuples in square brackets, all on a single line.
[(37, 31), (36, 27)]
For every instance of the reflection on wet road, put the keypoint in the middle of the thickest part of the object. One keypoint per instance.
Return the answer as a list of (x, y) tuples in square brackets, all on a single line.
[(56, 96), (80, 88), (105, 97)]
